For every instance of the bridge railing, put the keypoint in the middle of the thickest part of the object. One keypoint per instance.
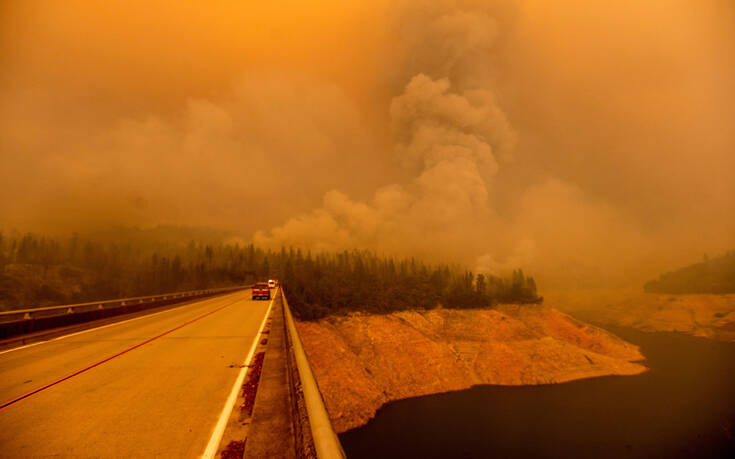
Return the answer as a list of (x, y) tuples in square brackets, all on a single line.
[(152, 300), (326, 442)]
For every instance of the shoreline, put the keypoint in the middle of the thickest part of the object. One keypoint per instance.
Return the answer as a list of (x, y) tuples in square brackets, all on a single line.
[(363, 361)]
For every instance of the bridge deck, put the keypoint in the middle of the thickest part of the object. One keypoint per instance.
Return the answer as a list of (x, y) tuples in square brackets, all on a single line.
[(160, 395)]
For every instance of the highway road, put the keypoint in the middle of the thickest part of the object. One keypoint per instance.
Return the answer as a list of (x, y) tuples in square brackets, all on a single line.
[(153, 386)]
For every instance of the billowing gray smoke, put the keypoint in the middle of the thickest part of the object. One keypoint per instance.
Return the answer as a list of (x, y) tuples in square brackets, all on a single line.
[(450, 139), (451, 134), (587, 142)]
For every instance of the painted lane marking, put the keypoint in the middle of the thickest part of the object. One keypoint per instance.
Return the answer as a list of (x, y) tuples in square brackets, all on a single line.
[(145, 316), (219, 428), (96, 364)]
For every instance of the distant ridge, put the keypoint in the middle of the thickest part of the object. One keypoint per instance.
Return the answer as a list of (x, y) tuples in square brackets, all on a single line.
[(712, 275)]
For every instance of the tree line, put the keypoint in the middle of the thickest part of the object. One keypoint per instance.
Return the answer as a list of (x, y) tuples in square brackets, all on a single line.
[(38, 270), (712, 275), (362, 281)]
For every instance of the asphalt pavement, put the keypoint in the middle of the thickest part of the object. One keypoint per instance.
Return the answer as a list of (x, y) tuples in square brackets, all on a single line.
[(153, 386)]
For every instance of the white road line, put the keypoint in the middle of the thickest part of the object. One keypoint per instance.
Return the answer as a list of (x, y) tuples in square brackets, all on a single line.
[(98, 328), (219, 429)]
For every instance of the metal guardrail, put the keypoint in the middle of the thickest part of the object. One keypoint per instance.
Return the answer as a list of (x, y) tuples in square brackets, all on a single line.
[(326, 443), (27, 314)]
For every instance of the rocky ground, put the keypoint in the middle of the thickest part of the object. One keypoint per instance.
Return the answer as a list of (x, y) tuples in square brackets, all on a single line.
[(362, 361)]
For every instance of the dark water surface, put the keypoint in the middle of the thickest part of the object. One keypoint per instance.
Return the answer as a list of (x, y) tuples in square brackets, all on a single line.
[(683, 407)]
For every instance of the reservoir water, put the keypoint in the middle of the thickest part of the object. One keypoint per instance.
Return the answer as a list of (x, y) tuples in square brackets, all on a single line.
[(684, 407)]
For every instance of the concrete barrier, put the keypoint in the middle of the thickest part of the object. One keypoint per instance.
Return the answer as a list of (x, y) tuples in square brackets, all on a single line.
[(326, 442)]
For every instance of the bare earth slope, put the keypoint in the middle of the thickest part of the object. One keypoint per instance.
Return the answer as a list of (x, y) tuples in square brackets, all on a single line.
[(705, 315), (362, 361)]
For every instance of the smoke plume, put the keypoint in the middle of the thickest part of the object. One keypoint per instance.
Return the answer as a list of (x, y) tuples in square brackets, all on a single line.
[(587, 143)]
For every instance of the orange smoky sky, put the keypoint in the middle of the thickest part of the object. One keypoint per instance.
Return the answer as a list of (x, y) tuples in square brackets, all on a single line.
[(586, 141)]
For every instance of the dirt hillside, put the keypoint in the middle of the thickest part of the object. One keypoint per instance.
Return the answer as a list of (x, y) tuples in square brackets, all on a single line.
[(705, 315), (362, 361)]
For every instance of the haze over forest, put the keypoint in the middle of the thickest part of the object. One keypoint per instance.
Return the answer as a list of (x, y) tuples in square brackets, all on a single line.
[(590, 143)]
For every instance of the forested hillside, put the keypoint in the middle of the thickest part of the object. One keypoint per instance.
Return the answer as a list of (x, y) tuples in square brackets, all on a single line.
[(38, 270), (349, 281), (712, 275)]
